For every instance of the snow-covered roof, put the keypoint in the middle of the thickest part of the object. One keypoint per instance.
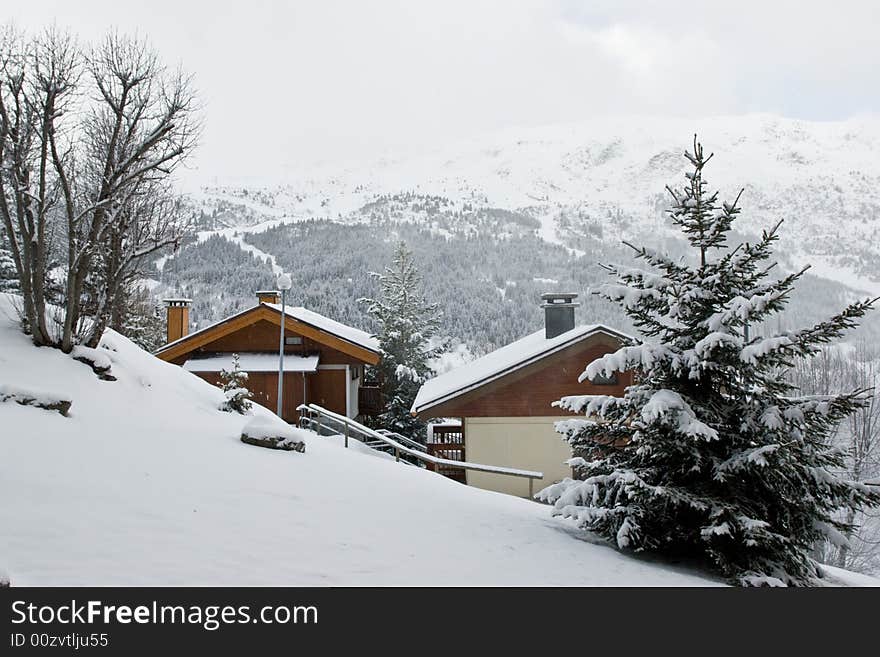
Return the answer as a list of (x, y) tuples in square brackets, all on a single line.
[(347, 333), (252, 362), (353, 335), (500, 362)]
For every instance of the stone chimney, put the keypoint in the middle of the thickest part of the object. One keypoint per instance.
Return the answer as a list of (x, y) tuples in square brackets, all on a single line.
[(177, 311), (268, 296), (558, 312)]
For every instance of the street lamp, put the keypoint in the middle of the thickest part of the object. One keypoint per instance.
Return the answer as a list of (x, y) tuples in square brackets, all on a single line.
[(284, 283)]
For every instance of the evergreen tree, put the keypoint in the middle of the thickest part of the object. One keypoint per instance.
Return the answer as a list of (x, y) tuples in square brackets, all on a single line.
[(8, 274), (235, 388), (408, 339), (710, 454), (140, 319)]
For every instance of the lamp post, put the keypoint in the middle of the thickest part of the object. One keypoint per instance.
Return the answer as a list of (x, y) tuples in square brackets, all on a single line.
[(284, 284)]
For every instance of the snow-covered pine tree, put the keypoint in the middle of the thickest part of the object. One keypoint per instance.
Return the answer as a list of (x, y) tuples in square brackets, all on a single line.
[(139, 318), (710, 454), (408, 339), (235, 388)]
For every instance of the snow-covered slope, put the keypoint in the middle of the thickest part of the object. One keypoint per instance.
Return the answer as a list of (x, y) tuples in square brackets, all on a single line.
[(607, 176), (146, 483)]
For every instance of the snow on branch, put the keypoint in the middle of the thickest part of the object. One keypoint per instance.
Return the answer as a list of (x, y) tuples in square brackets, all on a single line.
[(671, 409), (589, 404), (746, 458), (754, 351), (630, 297), (741, 309), (644, 355), (704, 347), (807, 342), (572, 427)]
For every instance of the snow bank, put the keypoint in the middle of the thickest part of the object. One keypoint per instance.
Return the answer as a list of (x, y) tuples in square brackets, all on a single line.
[(95, 357), (26, 396), (270, 431), (840, 577)]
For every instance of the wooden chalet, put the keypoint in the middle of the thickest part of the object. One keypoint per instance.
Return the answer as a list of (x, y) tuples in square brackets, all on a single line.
[(498, 409), (324, 360)]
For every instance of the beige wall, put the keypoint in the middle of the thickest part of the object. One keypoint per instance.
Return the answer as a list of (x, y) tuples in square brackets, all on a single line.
[(529, 443)]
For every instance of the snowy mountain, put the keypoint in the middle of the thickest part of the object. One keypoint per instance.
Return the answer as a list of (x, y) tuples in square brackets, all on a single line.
[(824, 178), (580, 190)]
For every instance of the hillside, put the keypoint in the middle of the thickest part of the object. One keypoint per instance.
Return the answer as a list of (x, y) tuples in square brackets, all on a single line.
[(608, 177), (495, 222), (146, 483)]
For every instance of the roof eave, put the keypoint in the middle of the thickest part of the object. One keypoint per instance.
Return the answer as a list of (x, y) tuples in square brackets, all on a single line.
[(324, 330), (173, 347)]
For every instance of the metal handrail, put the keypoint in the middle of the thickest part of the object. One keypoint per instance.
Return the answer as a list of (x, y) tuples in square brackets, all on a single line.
[(349, 424), (403, 439), (379, 444)]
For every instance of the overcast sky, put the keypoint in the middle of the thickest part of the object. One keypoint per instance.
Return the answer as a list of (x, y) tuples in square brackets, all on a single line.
[(288, 82)]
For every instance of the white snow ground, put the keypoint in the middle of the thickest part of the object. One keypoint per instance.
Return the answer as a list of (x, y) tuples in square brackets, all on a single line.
[(146, 483)]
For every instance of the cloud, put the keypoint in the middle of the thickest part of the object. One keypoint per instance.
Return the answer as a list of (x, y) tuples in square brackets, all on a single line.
[(287, 82)]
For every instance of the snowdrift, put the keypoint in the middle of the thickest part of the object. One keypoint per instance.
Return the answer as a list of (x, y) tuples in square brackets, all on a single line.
[(145, 482)]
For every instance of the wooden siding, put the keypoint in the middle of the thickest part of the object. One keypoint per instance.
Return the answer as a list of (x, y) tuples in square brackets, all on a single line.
[(530, 391), (324, 387), (370, 400), (328, 390)]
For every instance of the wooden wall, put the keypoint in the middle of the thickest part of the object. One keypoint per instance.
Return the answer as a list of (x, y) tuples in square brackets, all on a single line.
[(530, 391), (324, 387), (328, 390)]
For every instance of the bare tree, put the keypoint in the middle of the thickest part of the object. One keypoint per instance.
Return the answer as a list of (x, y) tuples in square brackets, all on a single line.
[(89, 139), (851, 367), (862, 443), (36, 89)]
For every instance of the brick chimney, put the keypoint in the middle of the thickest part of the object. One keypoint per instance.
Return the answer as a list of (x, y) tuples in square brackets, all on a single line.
[(268, 296), (558, 312), (177, 311)]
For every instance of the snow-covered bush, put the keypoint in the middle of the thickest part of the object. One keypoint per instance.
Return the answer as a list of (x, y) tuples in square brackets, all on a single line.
[(710, 454), (235, 388)]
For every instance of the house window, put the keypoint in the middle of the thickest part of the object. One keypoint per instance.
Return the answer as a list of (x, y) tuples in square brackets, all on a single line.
[(602, 380), (293, 340)]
